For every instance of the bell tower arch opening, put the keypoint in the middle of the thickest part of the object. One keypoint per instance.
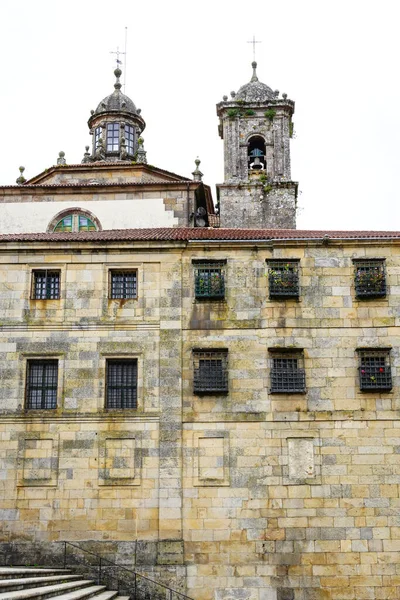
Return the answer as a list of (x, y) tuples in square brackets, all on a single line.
[(256, 153)]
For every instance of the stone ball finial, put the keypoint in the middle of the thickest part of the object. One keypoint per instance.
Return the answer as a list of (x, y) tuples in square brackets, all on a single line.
[(87, 148), (276, 93), (117, 72), (139, 110), (21, 169), (92, 112), (254, 64), (224, 98), (61, 154), (197, 162), (21, 179), (284, 96), (233, 94)]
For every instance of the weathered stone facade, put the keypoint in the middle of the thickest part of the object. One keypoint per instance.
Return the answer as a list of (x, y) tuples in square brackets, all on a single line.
[(254, 494)]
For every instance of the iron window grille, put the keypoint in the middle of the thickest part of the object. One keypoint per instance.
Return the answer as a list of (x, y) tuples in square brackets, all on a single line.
[(210, 371), (121, 384), (288, 375), (283, 279), (209, 280), (370, 279), (374, 370), (46, 285), (112, 137), (123, 285), (41, 384)]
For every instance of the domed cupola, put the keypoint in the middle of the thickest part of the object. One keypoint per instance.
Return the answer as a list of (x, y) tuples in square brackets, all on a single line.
[(255, 91), (116, 126)]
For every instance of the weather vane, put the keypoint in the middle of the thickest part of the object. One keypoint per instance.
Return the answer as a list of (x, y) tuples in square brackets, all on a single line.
[(119, 62), (254, 42)]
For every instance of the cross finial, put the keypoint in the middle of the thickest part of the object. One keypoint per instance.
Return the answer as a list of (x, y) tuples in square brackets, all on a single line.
[(119, 62), (254, 42)]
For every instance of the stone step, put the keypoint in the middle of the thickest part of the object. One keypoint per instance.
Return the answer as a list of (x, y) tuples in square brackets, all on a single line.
[(19, 572), (8, 585), (84, 586)]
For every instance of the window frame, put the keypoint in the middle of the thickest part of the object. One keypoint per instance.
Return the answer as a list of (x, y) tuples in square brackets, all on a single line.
[(365, 271), (201, 381), (287, 380), (113, 137), (133, 361), (374, 377), (283, 278), (35, 273), (129, 132), (123, 272), (29, 386), (206, 268)]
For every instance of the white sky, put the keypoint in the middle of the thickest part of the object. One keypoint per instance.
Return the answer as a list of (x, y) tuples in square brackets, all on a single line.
[(338, 60)]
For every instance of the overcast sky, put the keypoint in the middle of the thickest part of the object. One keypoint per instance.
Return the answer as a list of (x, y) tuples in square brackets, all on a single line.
[(338, 60)]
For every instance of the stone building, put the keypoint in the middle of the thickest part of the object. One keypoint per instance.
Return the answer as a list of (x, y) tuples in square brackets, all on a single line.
[(215, 406)]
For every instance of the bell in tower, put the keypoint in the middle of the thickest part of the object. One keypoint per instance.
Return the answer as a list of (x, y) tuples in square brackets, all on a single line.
[(256, 126)]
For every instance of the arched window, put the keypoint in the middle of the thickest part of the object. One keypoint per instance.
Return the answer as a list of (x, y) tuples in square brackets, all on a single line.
[(256, 153), (74, 220)]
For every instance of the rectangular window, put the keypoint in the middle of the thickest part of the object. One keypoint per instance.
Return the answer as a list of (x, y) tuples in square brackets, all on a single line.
[(209, 280), (121, 383), (210, 371), (41, 384), (129, 138), (288, 374), (123, 284), (112, 137), (97, 136), (374, 370), (46, 285), (370, 278), (283, 278)]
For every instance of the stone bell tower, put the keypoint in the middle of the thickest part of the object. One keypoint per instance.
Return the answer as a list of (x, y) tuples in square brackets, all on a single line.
[(256, 126)]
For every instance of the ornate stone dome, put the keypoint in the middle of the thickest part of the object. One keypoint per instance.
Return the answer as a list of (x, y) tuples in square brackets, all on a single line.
[(255, 91), (117, 101)]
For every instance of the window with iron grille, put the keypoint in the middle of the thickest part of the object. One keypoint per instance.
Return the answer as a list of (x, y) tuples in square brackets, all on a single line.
[(370, 278), (46, 285), (374, 370), (209, 280), (112, 137), (210, 371), (288, 374), (41, 384), (123, 285), (121, 383), (283, 278)]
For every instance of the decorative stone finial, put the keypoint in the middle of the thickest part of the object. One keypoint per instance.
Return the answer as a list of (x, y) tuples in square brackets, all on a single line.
[(276, 93), (92, 112), (233, 94), (99, 153), (284, 96), (254, 76), (141, 152), (117, 74), (123, 154), (139, 110), (197, 174), (61, 158), (21, 179), (224, 98), (86, 157)]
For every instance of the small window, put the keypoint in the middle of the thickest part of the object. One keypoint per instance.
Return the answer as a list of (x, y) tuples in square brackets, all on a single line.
[(370, 278), (209, 280), (121, 384), (288, 374), (74, 222), (112, 137), (97, 137), (41, 384), (283, 278), (374, 370), (210, 371), (123, 285), (46, 285), (129, 138)]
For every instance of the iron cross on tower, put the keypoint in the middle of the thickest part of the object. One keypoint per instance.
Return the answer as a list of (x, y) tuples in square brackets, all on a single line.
[(119, 62), (254, 42)]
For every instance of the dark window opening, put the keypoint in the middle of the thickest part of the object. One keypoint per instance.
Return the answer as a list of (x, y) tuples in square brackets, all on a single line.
[(288, 375), (121, 384), (256, 153), (210, 372), (209, 280), (283, 279), (46, 285), (123, 285), (112, 137), (41, 384), (374, 370), (370, 279)]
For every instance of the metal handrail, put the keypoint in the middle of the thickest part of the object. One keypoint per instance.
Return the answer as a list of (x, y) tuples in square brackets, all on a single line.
[(130, 571)]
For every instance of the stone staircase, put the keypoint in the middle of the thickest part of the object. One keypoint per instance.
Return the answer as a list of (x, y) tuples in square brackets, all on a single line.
[(23, 583)]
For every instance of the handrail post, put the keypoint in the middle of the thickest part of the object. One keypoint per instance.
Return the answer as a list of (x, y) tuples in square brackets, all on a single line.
[(99, 577), (65, 554), (134, 586)]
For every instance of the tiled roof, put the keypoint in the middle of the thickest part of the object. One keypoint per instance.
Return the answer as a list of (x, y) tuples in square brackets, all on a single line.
[(95, 184), (191, 233)]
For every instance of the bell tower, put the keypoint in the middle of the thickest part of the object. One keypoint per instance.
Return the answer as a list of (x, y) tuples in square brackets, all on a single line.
[(256, 126)]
